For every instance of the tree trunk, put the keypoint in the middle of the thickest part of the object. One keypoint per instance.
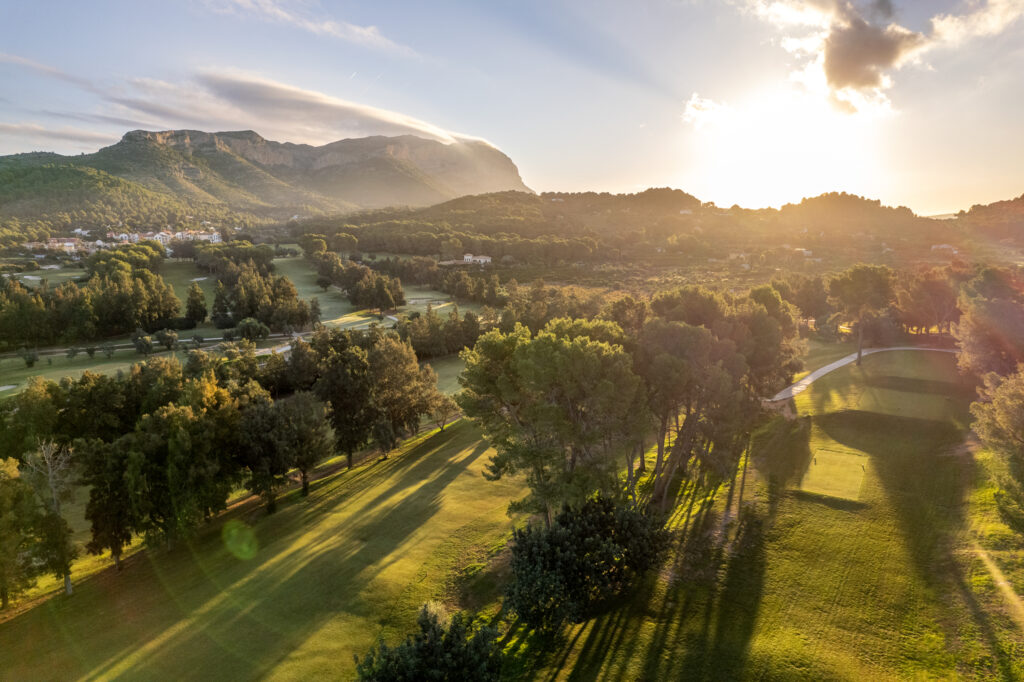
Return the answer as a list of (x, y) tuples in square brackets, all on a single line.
[(117, 560), (860, 341), (662, 434), (271, 503), (349, 455), (305, 482), (641, 467), (68, 590), (4, 598), (548, 517)]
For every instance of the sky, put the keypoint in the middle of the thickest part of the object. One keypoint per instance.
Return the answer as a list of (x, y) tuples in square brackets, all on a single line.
[(751, 102)]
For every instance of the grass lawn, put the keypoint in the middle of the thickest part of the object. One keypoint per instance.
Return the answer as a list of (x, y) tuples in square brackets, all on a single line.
[(845, 573), (14, 374), (329, 575), (820, 354), (54, 278), (334, 306), (448, 370)]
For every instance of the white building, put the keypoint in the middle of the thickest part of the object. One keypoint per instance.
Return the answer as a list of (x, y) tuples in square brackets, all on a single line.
[(65, 245), (476, 260)]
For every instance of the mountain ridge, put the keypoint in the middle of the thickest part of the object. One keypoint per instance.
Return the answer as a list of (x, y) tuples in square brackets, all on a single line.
[(244, 171)]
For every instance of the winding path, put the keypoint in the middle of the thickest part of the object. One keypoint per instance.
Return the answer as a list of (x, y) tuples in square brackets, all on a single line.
[(801, 386)]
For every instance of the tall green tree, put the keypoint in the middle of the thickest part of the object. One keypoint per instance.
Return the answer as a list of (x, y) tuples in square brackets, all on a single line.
[(347, 384), (859, 292), (50, 471), (556, 409), (107, 472), (18, 523), (195, 304), (305, 434), (402, 391), (263, 453), (999, 421)]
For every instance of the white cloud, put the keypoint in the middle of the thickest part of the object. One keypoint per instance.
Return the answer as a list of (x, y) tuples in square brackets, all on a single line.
[(856, 47), (284, 12), (702, 112), (991, 19), (37, 132), (229, 99)]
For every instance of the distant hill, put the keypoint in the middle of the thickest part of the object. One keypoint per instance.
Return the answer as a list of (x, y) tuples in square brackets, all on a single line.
[(244, 172), (999, 220)]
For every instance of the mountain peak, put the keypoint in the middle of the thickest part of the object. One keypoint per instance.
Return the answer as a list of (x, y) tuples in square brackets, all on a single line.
[(246, 171)]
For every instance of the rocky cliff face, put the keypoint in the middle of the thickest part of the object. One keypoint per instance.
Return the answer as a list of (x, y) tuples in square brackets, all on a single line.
[(365, 172)]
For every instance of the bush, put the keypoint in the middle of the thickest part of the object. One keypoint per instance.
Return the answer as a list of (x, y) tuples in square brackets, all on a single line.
[(252, 329), (589, 555), (436, 653)]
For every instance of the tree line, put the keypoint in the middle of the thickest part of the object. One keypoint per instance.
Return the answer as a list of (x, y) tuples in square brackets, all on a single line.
[(122, 294), (160, 447), (364, 287)]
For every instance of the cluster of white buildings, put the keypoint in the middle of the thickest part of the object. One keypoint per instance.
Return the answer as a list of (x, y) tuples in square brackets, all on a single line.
[(476, 260), (76, 245), (165, 237)]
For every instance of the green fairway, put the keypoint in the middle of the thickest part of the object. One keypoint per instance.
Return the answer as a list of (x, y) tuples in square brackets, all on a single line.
[(330, 574), (849, 573), (448, 370), (820, 354), (14, 374), (333, 303), (836, 473), (870, 558)]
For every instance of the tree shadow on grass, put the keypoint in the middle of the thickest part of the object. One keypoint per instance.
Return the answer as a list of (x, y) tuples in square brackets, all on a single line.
[(912, 384), (218, 616), (928, 493), (781, 453), (703, 609)]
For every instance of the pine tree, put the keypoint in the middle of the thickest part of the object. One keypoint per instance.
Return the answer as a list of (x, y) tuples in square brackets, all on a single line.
[(195, 305)]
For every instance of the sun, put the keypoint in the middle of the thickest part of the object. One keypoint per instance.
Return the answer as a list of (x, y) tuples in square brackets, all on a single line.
[(778, 146)]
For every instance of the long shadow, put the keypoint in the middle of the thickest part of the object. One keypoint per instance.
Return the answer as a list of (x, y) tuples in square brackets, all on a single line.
[(781, 453), (721, 650), (289, 604), (911, 384), (245, 615), (927, 492)]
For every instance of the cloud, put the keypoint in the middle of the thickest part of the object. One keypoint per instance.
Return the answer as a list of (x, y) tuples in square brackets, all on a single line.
[(701, 112), (990, 20), (857, 54), (283, 12), (229, 99), (312, 110), (46, 70), (854, 47), (35, 131)]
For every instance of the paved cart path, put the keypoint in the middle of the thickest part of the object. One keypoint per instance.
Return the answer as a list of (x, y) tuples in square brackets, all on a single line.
[(801, 386)]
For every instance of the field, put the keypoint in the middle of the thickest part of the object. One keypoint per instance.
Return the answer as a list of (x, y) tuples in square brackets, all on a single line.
[(820, 354), (335, 310), (14, 374), (448, 370), (864, 568), (291, 596), (874, 551)]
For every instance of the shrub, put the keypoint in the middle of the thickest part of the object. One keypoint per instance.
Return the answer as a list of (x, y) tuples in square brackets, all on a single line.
[(436, 653), (589, 555), (252, 329)]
